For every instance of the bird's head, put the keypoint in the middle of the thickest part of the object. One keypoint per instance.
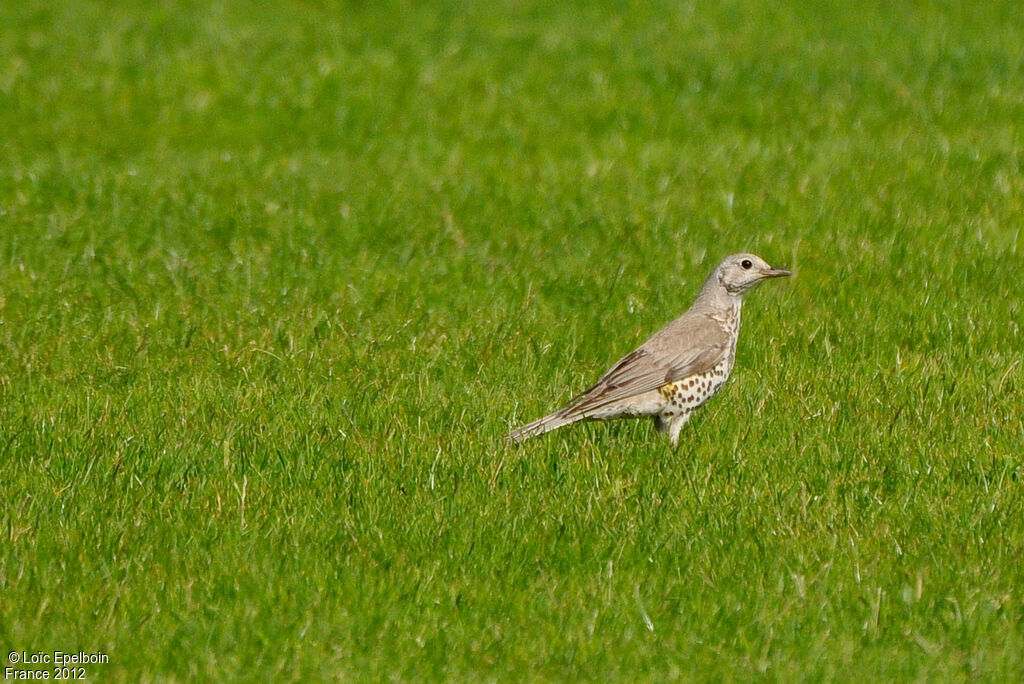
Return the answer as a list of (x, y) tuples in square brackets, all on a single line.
[(740, 272)]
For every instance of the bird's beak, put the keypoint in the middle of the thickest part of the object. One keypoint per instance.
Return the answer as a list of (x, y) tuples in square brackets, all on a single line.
[(776, 273)]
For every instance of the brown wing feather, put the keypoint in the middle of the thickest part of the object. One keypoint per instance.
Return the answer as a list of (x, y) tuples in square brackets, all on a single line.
[(685, 347)]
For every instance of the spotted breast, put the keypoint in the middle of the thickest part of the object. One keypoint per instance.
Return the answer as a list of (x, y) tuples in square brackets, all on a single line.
[(683, 396)]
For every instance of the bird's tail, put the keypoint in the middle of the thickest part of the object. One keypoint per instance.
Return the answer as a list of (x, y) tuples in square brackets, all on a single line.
[(542, 425)]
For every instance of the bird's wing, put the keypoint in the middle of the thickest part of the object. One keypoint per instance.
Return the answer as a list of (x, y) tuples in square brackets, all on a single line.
[(683, 348)]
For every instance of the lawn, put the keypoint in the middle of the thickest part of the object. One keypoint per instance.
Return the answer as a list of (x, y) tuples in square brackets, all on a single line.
[(277, 278)]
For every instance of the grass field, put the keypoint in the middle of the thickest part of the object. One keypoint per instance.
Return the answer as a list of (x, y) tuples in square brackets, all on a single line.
[(276, 278)]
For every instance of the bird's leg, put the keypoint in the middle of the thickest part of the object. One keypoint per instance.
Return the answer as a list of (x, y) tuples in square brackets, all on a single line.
[(675, 425)]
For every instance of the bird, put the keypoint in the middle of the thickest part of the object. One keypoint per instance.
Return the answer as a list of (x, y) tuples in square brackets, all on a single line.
[(679, 368)]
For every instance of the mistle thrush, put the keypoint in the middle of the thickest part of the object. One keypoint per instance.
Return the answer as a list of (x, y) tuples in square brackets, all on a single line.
[(680, 367)]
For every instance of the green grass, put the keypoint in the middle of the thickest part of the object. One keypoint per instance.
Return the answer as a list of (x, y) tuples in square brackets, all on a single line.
[(276, 278)]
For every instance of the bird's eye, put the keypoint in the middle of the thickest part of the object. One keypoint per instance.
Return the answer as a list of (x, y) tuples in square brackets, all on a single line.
[(746, 263)]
